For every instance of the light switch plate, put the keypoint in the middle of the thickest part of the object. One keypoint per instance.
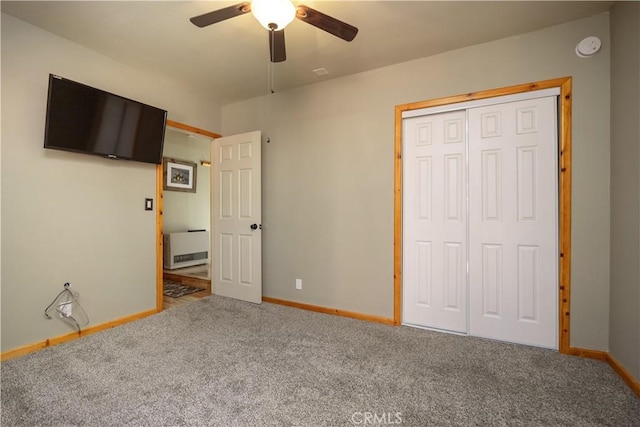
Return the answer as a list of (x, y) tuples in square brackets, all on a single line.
[(148, 204)]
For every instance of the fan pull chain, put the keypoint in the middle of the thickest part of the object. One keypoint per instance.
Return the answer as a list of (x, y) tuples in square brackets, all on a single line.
[(269, 84), (272, 44)]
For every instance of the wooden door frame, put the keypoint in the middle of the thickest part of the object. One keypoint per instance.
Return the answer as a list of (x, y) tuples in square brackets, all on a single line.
[(564, 165), (159, 207)]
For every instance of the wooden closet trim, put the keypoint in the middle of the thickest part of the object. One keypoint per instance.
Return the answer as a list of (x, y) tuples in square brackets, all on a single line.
[(564, 143), (159, 207)]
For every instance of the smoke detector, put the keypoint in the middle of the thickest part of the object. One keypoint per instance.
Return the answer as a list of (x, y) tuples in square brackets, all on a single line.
[(588, 47)]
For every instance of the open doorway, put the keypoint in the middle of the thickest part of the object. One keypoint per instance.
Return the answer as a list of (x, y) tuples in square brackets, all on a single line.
[(184, 188)]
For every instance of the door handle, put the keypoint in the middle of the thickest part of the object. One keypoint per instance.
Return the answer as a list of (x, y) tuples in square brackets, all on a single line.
[(256, 226)]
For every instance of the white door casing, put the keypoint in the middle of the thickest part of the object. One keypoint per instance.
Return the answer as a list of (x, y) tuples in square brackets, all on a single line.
[(513, 222), (435, 223), (236, 215)]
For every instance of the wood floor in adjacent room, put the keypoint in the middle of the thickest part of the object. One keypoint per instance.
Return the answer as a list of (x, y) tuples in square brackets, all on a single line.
[(198, 276), (168, 302)]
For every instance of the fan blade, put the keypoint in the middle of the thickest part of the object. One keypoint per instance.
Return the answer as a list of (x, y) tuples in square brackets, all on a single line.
[(276, 46), (327, 23), (221, 14)]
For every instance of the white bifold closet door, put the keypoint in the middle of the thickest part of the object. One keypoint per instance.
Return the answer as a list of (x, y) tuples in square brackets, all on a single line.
[(480, 233)]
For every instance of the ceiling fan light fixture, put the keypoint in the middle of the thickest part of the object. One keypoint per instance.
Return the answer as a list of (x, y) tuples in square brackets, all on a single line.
[(273, 14)]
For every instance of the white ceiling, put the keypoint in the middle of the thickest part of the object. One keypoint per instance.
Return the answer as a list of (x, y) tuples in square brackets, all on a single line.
[(230, 59)]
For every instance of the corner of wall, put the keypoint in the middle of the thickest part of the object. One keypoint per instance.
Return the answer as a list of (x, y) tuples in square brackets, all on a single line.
[(624, 324)]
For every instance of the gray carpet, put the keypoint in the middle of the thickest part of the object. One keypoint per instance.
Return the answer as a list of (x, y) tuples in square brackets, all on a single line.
[(227, 363)]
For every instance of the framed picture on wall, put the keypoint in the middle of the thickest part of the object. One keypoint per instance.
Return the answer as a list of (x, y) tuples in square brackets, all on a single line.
[(179, 175)]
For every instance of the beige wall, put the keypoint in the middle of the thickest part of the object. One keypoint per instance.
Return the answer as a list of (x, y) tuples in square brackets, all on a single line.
[(625, 186), (69, 217), (188, 211), (328, 171)]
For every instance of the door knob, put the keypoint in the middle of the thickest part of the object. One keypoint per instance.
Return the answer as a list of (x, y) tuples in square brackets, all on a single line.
[(254, 226)]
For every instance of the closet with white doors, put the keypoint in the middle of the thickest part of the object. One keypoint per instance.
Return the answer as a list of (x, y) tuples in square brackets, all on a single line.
[(480, 218)]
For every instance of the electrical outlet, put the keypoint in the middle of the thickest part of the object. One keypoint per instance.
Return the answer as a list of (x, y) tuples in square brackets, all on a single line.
[(298, 284)]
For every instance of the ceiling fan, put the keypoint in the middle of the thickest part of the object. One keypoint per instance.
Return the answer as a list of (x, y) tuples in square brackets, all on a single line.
[(275, 15)]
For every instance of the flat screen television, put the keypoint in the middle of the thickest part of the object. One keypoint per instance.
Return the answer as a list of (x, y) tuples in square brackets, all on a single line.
[(87, 120)]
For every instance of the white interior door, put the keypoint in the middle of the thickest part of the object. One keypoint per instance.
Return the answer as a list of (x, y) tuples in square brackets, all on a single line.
[(236, 217), (513, 253), (435, 223)]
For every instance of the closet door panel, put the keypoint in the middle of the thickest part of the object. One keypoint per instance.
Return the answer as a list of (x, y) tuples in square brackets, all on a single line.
[(434, 226), (513, 254)]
